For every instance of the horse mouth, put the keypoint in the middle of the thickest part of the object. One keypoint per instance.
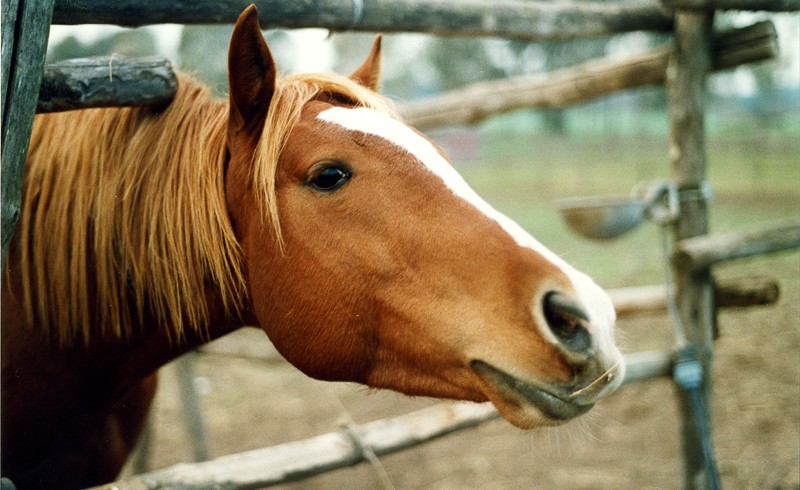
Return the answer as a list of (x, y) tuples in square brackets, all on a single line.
[(553, 405)]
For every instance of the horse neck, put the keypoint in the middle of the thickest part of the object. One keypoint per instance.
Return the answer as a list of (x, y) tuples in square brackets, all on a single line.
[(148, 350), (112, 365), (129, 360)]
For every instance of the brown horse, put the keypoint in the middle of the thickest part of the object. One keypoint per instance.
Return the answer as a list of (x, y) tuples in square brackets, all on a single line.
[(301, 205)]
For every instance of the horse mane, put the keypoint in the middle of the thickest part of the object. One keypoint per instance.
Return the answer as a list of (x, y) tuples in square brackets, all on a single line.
[(124, 218)]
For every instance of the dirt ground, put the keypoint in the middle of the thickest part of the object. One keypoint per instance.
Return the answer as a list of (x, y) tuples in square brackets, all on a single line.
[(630, 440)]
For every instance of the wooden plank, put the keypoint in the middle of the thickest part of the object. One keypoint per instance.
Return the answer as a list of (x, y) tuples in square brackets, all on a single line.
[(105, 82), (764, 5), (531, 20), (24, 74), (583, 82), (698, 254)]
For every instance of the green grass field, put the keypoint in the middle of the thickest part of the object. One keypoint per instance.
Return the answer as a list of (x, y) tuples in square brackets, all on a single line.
[(755, 178)]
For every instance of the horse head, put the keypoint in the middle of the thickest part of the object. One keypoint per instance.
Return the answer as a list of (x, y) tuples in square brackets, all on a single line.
[(368, 258)]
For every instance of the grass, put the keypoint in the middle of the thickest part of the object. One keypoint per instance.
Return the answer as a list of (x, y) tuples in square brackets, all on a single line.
[(755, 178)]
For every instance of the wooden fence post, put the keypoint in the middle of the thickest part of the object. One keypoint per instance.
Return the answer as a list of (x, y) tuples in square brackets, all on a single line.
[(26, 27), (686, 75)]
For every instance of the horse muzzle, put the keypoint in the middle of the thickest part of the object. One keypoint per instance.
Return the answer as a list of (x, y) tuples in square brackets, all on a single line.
[(556, 402), (596, 365)]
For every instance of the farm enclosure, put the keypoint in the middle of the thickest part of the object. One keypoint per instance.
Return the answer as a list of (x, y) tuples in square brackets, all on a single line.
[(632, 439), (692, 177)]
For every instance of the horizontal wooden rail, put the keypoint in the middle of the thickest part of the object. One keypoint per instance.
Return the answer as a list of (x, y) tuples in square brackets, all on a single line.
[(301, 459), (121, 81), (700, 253), (106, 81), (765, 5), (751, 291), (532, 20), (583, 82), (641, 366)]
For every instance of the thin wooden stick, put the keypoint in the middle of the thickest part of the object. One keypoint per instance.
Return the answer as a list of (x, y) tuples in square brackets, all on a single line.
[(606, 376), (581, 83)]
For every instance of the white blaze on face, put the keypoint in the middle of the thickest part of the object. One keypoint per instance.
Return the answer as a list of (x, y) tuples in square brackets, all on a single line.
[(594, 299)]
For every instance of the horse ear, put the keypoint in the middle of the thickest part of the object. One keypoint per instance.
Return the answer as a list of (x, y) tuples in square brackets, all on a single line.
[(251, 73), (369, 73)]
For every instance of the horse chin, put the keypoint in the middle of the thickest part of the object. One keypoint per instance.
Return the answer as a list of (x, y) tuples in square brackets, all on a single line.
[(524, 404)]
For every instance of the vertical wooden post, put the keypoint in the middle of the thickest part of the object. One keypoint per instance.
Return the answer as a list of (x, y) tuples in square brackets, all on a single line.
[(26, 28), (195, 426), (686, 75)]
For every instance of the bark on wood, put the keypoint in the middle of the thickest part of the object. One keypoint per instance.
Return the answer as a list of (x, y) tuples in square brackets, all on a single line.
[(106, 81), (24, 42), (510, 19), (700, 253), (767, 5), (583, 82)]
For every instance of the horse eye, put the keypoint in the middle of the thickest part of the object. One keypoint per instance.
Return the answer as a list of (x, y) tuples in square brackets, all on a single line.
[(330, 178)]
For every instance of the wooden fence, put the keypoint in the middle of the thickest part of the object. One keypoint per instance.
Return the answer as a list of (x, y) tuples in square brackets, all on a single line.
[(683, 66)]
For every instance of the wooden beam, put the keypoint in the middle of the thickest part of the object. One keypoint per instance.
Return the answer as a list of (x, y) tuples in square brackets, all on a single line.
[(747, 292), (641, 366), (688, 68), (533, 20), (122, 81), (765, 5), (698, 254), (301, 459), (105, 82), (8, 19), (24, 46), (583, 82), (737, 293)]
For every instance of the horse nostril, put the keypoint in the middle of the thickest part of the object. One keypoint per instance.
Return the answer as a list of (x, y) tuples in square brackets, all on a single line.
[(567, 321)]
